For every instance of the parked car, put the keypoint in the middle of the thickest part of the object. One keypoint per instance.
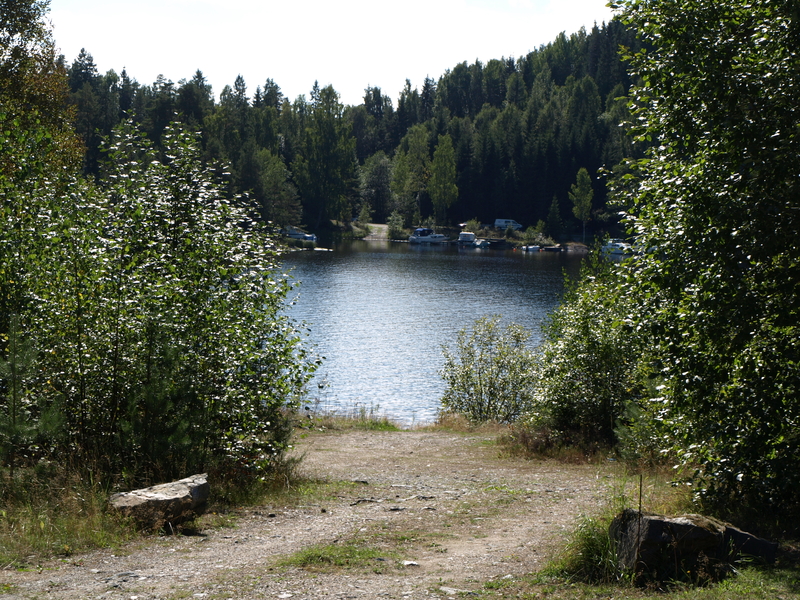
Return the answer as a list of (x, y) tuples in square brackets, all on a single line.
[(504, 224)]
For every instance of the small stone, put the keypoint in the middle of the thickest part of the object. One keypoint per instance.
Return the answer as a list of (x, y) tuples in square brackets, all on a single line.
[(453, 591)]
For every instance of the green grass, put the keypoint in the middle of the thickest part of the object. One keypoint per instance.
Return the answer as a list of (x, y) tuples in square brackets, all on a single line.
[(753, 583), (331, 557), (41, 517), (359, 416)]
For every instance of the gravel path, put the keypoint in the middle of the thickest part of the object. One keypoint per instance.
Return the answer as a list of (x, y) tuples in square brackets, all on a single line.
[(448, 513)]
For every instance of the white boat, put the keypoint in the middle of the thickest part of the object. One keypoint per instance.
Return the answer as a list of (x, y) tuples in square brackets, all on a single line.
[(296, 234), (531, 248), (616, 247), (425, 235), (466, 238)]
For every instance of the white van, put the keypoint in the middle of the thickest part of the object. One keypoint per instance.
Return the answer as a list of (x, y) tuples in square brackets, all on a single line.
[(504, 224)]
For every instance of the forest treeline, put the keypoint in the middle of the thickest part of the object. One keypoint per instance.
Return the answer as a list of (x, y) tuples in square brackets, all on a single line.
[(505, 138)]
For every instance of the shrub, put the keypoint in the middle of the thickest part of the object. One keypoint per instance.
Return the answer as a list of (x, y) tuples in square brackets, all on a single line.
[(473, 225), (489, 375), (536, 236), (155, 303), (589, 368), (395, 223)]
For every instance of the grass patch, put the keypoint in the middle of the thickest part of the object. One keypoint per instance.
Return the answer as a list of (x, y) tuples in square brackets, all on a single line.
[(590, 555), (527, 442), (752, 583), (49, 514), (331, 557), (359, 416), (458, 423), (316, 492)]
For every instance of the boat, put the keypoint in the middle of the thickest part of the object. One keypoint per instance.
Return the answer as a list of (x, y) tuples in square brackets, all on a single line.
[(297, 234), (616, 247), (469, 239), (466, 238), (532, 248), (425, 235)]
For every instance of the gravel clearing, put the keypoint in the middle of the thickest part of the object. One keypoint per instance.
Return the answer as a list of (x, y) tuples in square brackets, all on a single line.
[(447, 511)]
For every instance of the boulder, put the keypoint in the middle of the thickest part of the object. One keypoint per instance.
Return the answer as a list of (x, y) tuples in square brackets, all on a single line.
[(693, 547), (165, 504)]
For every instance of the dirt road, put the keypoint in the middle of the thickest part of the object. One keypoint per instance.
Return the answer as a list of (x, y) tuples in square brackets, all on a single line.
[(441, 513)]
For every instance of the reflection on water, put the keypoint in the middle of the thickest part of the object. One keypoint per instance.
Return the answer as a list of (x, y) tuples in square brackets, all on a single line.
[(380, 312)]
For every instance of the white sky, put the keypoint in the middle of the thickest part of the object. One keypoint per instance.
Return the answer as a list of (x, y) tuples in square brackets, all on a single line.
[(350, 44)]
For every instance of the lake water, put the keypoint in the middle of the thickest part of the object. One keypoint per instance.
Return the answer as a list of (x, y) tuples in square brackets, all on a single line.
[(379, 313)]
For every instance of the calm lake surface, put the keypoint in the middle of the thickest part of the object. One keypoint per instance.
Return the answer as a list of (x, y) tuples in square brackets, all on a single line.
[(379, 313)]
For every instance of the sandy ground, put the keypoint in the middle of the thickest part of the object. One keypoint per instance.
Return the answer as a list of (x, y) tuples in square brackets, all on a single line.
[(378, 231), (444, 512)]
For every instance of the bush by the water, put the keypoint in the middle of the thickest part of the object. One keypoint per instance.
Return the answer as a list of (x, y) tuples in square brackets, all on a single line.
[(151, 305), (489, 374), (589, 369)]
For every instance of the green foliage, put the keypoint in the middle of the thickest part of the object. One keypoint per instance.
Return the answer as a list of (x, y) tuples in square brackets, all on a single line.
[(395, 223), (537, 236), (714, 205), (581, 194), (47, 512), (588, 369), (473, 225), (17, 411), (519, 129), (554, 225), (590, 555), (376, 190), (365, 215), (412, 171), (158, 302), (489, 374), (442, 185), (326, 171)]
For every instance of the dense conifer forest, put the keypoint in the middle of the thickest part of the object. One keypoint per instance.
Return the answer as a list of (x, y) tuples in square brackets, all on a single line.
[(511, 135)]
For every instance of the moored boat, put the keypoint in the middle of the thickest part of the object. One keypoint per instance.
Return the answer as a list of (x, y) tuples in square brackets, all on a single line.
[(298, 234), (466, 238), (616, 247), (425, 235)]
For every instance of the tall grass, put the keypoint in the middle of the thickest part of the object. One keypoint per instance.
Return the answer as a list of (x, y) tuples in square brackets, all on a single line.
[(590, 554), (357, 416), (48, 513)]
